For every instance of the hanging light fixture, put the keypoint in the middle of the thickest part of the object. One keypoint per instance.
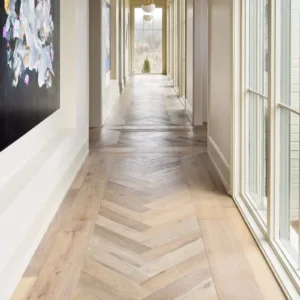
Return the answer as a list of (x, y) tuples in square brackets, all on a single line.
[(148, 18), (149, 7)]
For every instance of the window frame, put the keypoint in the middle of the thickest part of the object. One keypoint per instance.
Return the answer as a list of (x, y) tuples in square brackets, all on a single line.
[(248, 92), (164, 38), (288, 275)]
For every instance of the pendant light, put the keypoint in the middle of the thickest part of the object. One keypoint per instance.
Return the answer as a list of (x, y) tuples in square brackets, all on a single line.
[(149, 7)]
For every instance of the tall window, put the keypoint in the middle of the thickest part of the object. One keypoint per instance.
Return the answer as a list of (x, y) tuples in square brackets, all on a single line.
[(257, 106), (289, 103), (148, 41), (270, 122)]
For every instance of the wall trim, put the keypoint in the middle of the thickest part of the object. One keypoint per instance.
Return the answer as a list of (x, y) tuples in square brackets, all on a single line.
[(21, 257), (220, 163), (183, 102), (110, 98), (189, 111)]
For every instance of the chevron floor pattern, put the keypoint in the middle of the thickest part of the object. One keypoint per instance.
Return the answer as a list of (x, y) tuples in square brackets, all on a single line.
[(146, 243), (147, 217)]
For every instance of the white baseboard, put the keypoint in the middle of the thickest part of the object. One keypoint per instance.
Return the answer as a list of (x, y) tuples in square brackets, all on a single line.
[(189, 111), (128, 79), (55, 188), (219, 162), (183, 102), (111, 95)]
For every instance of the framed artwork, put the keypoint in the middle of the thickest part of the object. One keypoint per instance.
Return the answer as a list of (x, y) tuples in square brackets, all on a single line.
[(107, 44), (29, 65)]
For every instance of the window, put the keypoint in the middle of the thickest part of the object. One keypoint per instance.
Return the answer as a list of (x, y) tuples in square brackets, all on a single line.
[(148, 41), (269, 188), (257, 106), (287, 233)]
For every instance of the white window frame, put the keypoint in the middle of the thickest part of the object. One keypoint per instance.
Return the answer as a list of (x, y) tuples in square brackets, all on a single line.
[(164, 38), (265, 234), (250, 91)]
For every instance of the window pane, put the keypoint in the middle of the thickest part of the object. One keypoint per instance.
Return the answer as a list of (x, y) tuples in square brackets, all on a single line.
[(148, 25), (148, 41), (258, 46), (139, 36), (289, 184), (138, 18), (155, 59), (257, 106), (257, 153), (158, 18)]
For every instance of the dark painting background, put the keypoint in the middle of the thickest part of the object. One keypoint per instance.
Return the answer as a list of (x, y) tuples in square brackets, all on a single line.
[(24, 107)]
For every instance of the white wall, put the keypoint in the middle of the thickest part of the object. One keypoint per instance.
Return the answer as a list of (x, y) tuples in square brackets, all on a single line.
[(95, 25), (110, 93), (126, 35), (190, 58), (114, 39), (196, 60), (171, 40), (105, 86), (200, 61), (37, 170), (220, 86)]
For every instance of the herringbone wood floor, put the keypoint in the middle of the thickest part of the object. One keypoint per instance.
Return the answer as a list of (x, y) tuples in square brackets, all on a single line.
[(147, 217)]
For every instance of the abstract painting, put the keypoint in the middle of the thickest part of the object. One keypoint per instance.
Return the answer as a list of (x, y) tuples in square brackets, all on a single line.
[(107, 26), (29, 65)]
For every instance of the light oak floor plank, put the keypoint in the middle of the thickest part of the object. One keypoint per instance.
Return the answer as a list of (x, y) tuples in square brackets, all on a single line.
[(116, 282), (204, 291), (264, 277), (180, 270), (228, 262), (171, 259)]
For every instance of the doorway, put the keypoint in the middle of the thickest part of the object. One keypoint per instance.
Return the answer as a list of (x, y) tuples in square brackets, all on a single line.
[(148, 42)]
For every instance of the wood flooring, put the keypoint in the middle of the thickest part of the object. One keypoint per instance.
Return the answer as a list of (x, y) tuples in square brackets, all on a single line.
[(147, 216)]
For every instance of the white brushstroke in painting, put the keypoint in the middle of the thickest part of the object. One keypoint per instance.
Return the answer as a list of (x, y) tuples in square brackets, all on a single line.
[(29, 35)]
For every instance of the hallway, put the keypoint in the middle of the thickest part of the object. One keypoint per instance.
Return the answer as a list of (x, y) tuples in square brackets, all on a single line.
[(147, 216), (148, 101)]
